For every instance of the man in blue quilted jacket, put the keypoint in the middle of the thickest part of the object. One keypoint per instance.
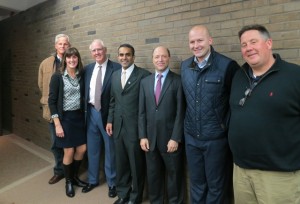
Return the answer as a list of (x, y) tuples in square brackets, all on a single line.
[(206, 79)]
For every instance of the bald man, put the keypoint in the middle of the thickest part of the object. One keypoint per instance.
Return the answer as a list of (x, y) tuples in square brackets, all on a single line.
[(206, 80)]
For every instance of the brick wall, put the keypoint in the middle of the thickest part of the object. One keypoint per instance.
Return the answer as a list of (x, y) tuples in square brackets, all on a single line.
[(29, 37)]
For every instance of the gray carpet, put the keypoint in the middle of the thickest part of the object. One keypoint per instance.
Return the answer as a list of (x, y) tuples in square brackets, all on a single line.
[(16, 162), (24, 173)]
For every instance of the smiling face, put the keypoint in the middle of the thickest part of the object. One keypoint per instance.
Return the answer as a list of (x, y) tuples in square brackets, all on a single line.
[(256, 50), (160, 59), (72, 62), (61, 46), (98, 52), (200, 42), (125, 57)]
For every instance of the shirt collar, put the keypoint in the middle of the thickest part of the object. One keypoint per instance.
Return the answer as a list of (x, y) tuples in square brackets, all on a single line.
[(164, 73), (103, 64), (129, 69), (57, 57), (203, 63), (66, 73)]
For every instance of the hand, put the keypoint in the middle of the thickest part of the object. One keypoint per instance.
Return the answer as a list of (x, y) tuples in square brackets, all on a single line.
[(59, 131), (172, 146), (109, 129), (144, 144)]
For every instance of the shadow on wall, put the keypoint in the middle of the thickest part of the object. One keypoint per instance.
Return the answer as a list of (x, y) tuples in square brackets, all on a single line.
[(5, 93)]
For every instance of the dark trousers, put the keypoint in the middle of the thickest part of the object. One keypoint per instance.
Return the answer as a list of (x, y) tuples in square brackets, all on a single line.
[(163, 167), (210, 170), (130, 163), (58, 153)]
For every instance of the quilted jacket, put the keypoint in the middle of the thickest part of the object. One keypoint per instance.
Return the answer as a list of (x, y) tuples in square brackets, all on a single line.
[(207, 93)]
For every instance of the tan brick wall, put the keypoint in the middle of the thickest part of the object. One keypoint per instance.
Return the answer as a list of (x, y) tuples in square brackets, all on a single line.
[(143, 23)]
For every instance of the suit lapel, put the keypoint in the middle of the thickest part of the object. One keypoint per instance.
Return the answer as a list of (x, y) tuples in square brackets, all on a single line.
[(132, 79), (108, 73), (118, 81), (166, 85), (88, 73), (151, 88)]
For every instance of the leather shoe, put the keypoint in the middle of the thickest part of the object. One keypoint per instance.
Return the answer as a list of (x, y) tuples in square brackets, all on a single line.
[(78, 182), (89, 187), (55, 179), (112, 192), (121, 201)]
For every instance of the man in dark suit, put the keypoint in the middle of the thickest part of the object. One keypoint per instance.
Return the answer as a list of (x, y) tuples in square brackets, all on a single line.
[(96, 117), (122, 122), (161, 113)]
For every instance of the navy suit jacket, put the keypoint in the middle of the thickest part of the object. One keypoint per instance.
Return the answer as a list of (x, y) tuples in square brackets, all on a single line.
[(162, 122), (105, 95)]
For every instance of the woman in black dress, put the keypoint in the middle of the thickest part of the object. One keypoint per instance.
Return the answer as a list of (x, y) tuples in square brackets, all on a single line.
[(66, 106)]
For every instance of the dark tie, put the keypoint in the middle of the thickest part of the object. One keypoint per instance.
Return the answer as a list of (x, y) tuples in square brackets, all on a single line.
[(98, 90), (158, 88)]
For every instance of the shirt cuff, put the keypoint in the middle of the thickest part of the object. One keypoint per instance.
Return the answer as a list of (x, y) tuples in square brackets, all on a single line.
[(54, 116)]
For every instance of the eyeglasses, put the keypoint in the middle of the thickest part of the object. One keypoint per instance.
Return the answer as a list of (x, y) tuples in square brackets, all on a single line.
[(247, 94), (97, 50)]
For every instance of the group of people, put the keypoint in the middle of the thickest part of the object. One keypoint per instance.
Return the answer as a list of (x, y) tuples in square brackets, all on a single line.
[(239, 127)]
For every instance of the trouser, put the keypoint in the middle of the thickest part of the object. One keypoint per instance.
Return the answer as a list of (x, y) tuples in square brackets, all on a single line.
[(252, 186), (97, 138), (210, 170), (58, 152)]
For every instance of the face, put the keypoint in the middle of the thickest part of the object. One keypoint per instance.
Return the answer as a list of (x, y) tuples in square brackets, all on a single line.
[(160, 59), (199, 42), (61, 46), (125, 57), (256, 50), (72, 62), (98, 52)]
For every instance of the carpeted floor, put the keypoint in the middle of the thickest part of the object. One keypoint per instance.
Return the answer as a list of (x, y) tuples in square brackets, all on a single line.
[(17, 162), (24, 173)]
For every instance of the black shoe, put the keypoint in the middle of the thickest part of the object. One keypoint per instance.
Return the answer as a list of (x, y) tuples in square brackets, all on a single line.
[(89, 187), (69, 189), (121, 201), (78, 182), (112, 192)]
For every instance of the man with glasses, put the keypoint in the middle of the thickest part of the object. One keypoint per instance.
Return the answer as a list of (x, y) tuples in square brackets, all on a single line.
[(264, 131), (97, 96)]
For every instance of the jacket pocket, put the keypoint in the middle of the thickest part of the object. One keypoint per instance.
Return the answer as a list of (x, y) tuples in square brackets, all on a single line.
[(213, 84)]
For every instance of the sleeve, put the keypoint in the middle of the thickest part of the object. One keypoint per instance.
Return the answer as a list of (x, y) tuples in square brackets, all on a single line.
[(142, 123), (53, 94), (40, 77), (111, 109), (177, 133)]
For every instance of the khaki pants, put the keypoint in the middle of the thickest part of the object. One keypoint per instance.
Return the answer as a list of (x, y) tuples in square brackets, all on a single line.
[(265, 187)]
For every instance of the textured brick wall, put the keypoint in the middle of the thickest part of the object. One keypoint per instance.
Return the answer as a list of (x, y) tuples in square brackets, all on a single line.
[(145, 24)]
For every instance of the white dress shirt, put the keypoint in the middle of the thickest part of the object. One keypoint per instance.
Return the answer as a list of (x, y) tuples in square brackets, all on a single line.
[(93, 79)]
